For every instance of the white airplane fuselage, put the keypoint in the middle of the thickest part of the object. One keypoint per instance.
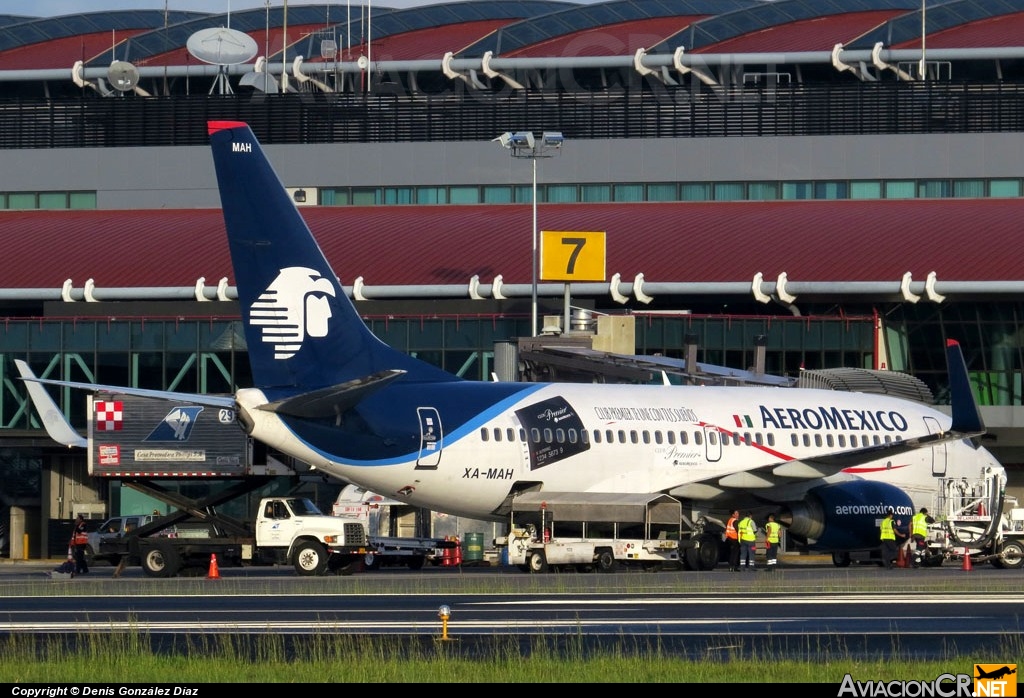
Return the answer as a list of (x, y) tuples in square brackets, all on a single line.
[(699, 443)]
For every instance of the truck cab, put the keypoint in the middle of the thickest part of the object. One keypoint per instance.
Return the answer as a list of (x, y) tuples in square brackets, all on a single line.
[(113, 529)]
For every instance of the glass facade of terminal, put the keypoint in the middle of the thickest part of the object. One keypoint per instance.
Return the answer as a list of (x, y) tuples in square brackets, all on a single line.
[(633, 192), (209, 354)]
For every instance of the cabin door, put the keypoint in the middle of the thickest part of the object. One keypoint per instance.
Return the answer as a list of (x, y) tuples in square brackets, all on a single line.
[(939, 450), (713, 444)]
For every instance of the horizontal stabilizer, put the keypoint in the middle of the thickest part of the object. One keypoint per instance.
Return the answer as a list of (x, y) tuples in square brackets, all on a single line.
[(330, 402), (194, 398), (59, 429)]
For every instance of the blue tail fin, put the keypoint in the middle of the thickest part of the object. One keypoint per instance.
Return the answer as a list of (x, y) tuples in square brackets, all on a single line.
[(303, 332)]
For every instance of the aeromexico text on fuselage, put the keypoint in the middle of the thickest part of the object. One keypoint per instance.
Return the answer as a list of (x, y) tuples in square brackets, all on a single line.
[(806, 418)]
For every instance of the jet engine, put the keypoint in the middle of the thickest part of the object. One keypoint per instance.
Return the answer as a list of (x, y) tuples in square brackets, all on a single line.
[(845, 515)]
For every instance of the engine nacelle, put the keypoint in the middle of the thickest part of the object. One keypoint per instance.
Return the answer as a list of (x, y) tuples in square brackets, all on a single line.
[(845, 515)]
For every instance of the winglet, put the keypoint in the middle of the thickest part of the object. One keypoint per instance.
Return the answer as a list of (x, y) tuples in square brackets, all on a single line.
[(59, 429), (966, 415)]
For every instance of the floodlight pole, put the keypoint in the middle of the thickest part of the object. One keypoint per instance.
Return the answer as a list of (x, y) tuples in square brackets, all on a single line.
[(523, 144), (533, 286)]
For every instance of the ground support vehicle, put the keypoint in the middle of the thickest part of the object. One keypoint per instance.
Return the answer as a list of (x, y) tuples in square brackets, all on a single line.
[(378, 513), (977, 519), (973, 518), (163, 448), (286, 531), (592, 531)]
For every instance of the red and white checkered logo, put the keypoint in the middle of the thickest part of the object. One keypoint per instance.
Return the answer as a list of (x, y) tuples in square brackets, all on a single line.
[(109, 415)]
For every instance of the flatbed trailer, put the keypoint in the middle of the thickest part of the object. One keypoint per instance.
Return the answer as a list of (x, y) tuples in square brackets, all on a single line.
[(375, 511)]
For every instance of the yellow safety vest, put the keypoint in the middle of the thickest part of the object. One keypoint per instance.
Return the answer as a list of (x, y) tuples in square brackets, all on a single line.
[(771, 531), (888, 532), (747, 529), (920, 525)]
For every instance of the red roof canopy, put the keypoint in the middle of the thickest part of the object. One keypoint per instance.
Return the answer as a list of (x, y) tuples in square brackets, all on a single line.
[(869, 240)]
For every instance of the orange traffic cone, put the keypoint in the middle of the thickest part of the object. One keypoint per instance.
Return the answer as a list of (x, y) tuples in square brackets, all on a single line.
[(214, 573), (901, 557), (967, 561)]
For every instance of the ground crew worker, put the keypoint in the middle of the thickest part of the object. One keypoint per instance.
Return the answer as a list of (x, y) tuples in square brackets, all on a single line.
[(919, 534), (771, 540), (732, 539), (888, 539), (79, 541), (748, 539)]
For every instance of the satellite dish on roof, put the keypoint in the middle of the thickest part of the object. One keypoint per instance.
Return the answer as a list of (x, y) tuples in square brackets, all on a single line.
[(221, 46), (123, 76)]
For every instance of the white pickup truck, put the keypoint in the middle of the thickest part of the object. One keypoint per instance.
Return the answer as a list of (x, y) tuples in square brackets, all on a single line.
[(286, 531)]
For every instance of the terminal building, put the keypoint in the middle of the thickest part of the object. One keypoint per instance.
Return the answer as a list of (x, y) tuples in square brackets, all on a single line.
[(789, 187)]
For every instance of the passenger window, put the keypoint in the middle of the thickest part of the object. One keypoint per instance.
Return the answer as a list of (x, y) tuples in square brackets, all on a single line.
[(807, 440), (794, 439), (622, 436), (560, 436), (759, 438), (609, 436), (510, 434), (585, 436), (597, 436), (817, 440), (484, 436), (828, 441), (671, 437), (535, 435), (697, 438), (547, 436), (684, 438), (842, 441), (853, 440), (771, 439), (646, 436), (657, 437), (634, 437), (572, 436), (712, 437)]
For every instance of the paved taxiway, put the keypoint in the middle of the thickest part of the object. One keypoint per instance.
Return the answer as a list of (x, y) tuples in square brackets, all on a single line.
[(796, 610)]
